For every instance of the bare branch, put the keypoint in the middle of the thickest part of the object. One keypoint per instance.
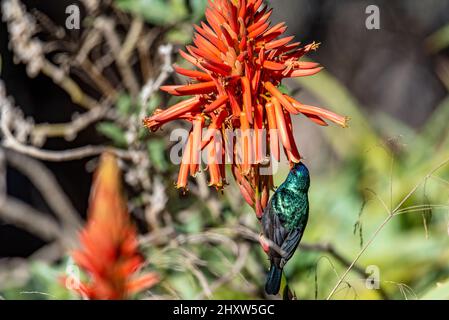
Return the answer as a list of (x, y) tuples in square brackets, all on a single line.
[(235, 270), (152, 85), (66, 155), (108, 27), (25, 216), (45, 182), (69, 130)]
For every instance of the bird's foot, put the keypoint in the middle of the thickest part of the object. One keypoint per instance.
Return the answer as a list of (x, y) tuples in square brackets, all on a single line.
[(264, 243)]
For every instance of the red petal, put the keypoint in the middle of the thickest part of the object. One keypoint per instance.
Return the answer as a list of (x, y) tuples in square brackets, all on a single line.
[(260, 22), (221, 100), (271, 65), (227, 37), (210, 35), (245, 187), (191, 59), (242, 11), (213, 127), (258, 31), (197, 88), (201, 42), (192, 74), (258, 134), (235, 107), (246, 144), (214, 168), (293, 155), (273, 32), (326, 114), (171, 89), (273, 131), (178, 109), (304, 72), (142, 283), (280, 97), (203, 54), (284, 130), (278, 43), (247, 99), (196, 144), (307, 65), (185, 165), (212, 18), (219, 68)]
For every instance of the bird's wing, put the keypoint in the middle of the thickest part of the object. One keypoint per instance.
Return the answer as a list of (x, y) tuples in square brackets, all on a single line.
[(274, 231), (290, 244), (271, 224), (274, 228)]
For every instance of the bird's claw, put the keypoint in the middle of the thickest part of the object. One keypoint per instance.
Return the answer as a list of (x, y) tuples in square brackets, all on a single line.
[(263, 242)]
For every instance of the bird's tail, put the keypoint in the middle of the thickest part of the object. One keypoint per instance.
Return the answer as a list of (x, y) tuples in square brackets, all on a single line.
[(274, 277)]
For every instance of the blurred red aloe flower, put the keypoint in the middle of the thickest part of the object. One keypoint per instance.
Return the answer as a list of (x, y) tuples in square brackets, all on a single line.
[(109, 246), (240, 61)]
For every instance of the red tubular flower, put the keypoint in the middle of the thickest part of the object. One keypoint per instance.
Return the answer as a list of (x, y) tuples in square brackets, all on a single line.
[(109, 248), (241, 60)]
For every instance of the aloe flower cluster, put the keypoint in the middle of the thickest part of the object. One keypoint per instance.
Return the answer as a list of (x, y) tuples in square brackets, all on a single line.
[(239, 61), (109, 245)]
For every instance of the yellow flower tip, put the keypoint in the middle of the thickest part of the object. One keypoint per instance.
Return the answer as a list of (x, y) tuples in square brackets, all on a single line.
[(219, 187), (315, 45), (182, 189), (346, 122), (149, 124)]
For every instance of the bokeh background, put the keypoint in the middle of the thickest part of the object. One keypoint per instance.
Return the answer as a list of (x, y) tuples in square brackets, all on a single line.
[(392, 82)]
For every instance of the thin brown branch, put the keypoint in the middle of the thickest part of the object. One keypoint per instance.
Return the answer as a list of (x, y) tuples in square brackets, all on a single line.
[(129, 79), (24, 216), (143, 49), (76, 94), (243, 251), (131, 39), (65, 155), (46, 183), (69, 130)]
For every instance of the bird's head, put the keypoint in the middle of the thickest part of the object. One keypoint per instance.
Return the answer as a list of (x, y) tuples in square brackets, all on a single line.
[(299, 177)]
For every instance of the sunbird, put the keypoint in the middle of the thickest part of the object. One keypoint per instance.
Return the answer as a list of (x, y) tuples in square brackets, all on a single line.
[(284, 221)]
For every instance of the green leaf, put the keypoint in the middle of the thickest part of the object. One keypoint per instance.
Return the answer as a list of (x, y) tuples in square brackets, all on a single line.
[(156, 150), (440, 292), (124, 104), (180, 35), (198, 8), (154, 102), (439, 40), (159, 12), (44, 284), (284, 89), (113, 132)]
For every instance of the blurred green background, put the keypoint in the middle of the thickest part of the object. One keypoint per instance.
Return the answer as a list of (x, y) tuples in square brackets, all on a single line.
[(394, 85)]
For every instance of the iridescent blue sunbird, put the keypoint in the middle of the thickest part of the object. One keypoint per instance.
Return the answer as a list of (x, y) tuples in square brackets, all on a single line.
[(284, 221)]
